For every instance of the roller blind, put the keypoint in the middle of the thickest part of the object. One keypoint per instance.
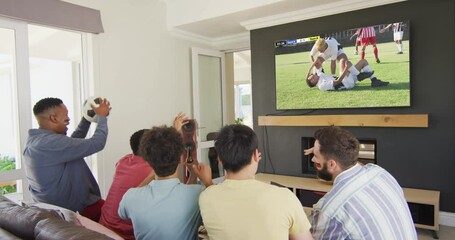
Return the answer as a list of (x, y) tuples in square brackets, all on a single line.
[(54, 13)]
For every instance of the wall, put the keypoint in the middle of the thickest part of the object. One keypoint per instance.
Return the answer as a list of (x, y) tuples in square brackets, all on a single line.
[(143, 70), (417, 157)]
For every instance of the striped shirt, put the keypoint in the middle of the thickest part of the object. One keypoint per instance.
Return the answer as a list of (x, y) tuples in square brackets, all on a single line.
[(397, 27), (365, 202), (367, 32)]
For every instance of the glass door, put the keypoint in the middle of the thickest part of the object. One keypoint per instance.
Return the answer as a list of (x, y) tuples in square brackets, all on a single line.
[(209, 103), (14, 105)]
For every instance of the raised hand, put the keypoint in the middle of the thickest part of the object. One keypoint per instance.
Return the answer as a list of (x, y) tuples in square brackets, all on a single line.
[(104, 107), (308, 151), (180, 120)]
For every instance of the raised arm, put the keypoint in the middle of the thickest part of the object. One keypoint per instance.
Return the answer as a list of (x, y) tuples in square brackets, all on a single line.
[(386, 27), (204, 173), (82, 129), (180, 120), (355, 34)]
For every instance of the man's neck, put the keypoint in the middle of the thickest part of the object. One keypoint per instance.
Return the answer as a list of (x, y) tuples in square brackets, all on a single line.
[(174, 175), (241, 175), (335, 175)]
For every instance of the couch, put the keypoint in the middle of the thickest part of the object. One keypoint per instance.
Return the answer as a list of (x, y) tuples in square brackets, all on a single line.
[(33, 222)]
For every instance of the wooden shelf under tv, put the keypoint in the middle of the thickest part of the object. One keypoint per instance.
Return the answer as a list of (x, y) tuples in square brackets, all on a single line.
[(356, 120)]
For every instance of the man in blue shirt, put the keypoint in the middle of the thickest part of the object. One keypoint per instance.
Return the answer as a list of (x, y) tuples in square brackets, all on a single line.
[(54, 163), (165, 208)]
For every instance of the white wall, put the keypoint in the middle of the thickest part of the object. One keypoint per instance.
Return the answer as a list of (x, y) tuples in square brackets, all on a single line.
[(143, 70)]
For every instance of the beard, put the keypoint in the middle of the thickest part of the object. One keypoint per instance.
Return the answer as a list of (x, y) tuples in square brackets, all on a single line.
[(324, 174)]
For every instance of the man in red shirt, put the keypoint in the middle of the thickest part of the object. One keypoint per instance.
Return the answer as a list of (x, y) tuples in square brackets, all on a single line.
[(130, 172)]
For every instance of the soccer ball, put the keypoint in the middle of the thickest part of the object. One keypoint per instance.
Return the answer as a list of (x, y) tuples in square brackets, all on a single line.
[(87, 111)]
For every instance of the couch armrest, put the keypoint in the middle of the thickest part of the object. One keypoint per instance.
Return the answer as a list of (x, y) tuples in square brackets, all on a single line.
[(21, 221), (50, 229), (5, 235)]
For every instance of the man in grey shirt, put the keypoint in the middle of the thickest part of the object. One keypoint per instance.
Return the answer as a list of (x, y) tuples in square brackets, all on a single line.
[(54, 163)]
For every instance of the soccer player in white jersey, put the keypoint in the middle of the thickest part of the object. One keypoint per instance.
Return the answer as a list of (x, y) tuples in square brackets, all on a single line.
[(347, 80), (329, 48), (397, 34)]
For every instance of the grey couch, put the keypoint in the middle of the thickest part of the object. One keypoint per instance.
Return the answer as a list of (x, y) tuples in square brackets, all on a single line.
[(24, 222)]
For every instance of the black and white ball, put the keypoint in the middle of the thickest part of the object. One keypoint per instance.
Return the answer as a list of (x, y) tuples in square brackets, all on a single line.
[(87, 111)]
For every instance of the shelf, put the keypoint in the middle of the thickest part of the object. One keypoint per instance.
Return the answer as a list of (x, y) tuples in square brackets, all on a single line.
[(371, 120), (421, 197)]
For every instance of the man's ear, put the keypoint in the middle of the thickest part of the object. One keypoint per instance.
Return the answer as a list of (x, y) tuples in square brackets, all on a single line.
[(332, 164), (255, 155), (52, 118)]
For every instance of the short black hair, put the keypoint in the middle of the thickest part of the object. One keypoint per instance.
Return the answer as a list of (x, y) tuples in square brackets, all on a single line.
[(162, 147), (309, 83), (338, 144), (135, 140), (235, 145), (45, 104)]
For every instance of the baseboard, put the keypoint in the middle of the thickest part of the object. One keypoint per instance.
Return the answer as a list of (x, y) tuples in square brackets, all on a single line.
[(447, 219)]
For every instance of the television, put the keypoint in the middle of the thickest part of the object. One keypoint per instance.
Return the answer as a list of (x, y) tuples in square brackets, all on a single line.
[(292, 61)]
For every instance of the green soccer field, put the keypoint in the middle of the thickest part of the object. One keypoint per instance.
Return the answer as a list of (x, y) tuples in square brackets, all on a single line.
[(292, 92)]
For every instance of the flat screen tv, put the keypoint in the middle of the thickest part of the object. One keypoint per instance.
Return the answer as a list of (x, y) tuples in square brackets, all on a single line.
[(389, 60)]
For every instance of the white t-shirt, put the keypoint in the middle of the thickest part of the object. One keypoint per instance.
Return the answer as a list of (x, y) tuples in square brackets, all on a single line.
[(331, 52), (325, 82)]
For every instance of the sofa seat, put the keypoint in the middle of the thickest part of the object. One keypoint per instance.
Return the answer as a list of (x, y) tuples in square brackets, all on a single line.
[(32, 222)]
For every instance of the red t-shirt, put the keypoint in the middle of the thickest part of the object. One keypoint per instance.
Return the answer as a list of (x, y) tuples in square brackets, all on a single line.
[(130, 171)]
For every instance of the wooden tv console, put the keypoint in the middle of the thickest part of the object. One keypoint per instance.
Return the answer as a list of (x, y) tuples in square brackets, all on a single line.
[(424, 204)]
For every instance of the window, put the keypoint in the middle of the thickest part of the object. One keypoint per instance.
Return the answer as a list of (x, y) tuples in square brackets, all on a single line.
[(242, 88), (243, 105), (35, 62)]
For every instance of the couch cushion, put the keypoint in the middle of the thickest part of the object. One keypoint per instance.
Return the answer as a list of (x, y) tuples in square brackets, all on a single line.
[(94, 226), (5, 235), (5, 202), (50, 229), (66, 214), (21, 221)]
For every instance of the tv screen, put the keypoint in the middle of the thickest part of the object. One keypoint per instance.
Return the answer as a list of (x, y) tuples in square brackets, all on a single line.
[(380, 52)]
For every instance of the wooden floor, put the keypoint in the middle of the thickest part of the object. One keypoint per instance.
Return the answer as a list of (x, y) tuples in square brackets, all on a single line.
[(445, 233)]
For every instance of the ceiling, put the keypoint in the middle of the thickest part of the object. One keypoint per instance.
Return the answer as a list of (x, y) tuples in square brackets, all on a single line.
[(231, 24), (211, 25)]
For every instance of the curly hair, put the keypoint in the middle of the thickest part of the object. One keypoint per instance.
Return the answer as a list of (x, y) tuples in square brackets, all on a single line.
[(338, 144), (45, 104), (235, 145), (162, 147)]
